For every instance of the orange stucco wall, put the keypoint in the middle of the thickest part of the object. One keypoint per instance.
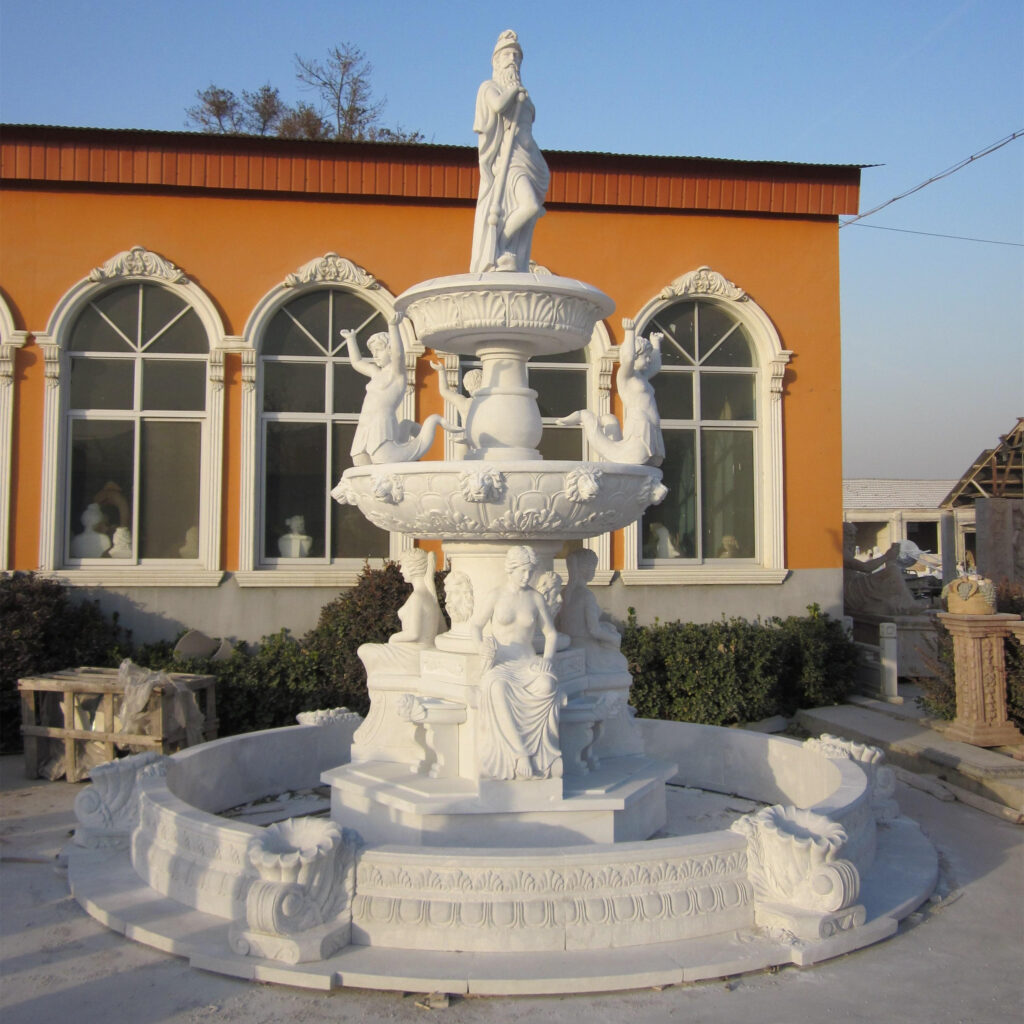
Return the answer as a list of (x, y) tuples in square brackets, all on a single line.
[(237, 248)]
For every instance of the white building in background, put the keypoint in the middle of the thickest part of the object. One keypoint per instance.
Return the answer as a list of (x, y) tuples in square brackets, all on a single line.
[(888, 511)]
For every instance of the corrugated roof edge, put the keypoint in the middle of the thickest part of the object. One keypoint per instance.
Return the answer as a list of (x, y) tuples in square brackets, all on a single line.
[(449, 147)]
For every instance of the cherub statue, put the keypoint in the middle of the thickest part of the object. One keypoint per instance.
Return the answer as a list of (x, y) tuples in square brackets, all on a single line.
[(518, 712), (380, 436), (471, 381), (638, 440), (580, 616)]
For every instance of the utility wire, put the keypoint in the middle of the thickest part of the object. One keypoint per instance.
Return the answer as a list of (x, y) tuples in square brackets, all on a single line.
[(937, 177), (933, 234)]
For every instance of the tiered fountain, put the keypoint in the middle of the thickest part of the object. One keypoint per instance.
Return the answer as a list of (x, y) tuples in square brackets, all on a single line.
[(500, 800), (501, 730)]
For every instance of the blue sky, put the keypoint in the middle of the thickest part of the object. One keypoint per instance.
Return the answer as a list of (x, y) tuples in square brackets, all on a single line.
[(933, 328)]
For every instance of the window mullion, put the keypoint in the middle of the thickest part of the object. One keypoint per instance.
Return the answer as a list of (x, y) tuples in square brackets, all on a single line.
[(136, 495), (328, 500), (143, 345), (138, 323), (721, 341)]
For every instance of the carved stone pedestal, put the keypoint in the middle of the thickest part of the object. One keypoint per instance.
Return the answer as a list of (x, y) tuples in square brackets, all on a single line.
[(980, 679)]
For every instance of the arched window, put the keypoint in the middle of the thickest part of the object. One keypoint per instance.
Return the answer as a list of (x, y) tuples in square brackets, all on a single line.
[(719, 397), (133, 424), (303, 410)]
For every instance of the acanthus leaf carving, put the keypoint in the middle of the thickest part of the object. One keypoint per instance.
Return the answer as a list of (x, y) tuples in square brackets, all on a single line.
[(138, 261), (703, 281), (331, 269)]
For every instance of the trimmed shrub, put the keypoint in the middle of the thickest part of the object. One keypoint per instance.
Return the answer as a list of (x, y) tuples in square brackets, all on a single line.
[(730, 671), (42, 629)]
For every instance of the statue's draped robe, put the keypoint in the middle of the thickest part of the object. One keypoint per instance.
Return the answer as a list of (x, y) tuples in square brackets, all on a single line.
[(518, 715), (525, 161), (377, 420)]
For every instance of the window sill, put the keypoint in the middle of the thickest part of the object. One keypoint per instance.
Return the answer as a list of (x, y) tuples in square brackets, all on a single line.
[(323, 576), (140, 576), (706, 575)]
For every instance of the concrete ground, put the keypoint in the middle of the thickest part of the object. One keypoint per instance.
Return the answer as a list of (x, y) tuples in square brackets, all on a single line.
[(960, 960)]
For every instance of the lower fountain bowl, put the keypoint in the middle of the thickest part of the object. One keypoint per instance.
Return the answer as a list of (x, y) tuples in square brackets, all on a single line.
[(515, 501)]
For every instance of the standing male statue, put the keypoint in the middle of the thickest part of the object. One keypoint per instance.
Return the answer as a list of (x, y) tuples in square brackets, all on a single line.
[(513, 175)]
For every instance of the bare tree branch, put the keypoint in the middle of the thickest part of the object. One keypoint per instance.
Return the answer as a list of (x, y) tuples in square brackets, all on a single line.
[(262, 110), (303, 121), (218, 111), (342, 82), (345, 109)]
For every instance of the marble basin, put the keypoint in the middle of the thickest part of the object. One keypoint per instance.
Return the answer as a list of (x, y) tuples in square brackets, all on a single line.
[(516, 501), (537, 313)]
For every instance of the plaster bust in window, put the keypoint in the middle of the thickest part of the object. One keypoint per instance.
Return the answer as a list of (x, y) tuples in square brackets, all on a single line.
[(122, 546), (92, 542), (296, 543)]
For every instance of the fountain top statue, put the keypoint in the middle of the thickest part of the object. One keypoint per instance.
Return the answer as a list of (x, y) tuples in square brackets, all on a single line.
[(513, 175)]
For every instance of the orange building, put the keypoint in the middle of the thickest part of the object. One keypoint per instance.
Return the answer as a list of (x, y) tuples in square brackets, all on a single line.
[(174, 390)]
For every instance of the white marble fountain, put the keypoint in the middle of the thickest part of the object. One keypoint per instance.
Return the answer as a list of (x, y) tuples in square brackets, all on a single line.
[(498, 823)]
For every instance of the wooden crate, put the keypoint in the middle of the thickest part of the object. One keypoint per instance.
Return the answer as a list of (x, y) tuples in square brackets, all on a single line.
[(75, 683)]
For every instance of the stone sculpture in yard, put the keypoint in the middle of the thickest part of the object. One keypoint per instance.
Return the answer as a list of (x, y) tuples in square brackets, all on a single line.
[(875, 587), (638, 439), (518, 727), (492, 801), (380, 436), (513, 174)]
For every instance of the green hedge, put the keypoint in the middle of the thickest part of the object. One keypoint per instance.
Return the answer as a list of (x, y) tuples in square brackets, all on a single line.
[(267, 685), (718, 673), (729, 671), (42, 630)]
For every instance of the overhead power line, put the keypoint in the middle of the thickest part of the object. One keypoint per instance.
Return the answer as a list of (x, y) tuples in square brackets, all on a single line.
[(935, 234), (936, 177)]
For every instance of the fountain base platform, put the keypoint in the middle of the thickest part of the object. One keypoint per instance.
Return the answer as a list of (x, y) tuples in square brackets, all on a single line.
[(622, 801)]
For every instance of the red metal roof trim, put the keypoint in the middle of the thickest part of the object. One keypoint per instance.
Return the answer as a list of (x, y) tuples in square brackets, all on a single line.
[(169, 160)]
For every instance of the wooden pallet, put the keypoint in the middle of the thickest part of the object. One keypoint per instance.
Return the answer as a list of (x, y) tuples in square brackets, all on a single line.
[(74, 683)]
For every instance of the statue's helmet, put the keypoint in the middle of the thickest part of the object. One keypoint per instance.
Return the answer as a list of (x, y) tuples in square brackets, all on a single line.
[(507, 40)]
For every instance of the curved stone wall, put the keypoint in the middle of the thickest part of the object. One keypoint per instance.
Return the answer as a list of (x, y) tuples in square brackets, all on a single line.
[(581, 897)]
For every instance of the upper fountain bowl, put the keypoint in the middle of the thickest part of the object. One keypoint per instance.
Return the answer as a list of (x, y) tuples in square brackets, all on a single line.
[(536, 313)]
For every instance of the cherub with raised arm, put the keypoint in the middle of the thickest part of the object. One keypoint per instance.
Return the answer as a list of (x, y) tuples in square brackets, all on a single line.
[(380, 436), (471, 381), (638, 440)]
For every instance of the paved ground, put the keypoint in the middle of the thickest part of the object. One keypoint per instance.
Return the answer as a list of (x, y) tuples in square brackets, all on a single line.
[(960, 960)]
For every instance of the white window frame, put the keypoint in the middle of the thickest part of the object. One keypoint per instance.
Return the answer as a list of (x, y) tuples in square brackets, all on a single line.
[(770, 359), (10, 341), (135, 265), (330, 272)]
